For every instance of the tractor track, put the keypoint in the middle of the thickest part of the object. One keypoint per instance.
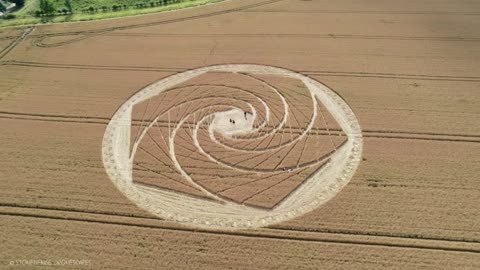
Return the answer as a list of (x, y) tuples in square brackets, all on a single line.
[(88, 33), (309, 36), (324, 73), (15, 42), (382, 134), (276, 233)]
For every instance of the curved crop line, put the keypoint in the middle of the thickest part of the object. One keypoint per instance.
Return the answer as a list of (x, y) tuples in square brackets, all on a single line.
[(247, 169), (139, 138), (177, 164), (265, 105), (280, 126), (171, 143), (287, 143)]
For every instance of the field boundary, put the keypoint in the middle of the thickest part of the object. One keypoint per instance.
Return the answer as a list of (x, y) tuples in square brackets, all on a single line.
[(325, 73), (309, 36), (273, 227), (265, 233), (385, 134), (241, 8), (30, 20)]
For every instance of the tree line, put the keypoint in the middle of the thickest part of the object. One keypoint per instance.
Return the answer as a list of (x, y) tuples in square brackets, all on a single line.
[(47, 7)]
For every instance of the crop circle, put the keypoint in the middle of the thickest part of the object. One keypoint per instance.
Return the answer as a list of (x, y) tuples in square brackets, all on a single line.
[(232, 146)]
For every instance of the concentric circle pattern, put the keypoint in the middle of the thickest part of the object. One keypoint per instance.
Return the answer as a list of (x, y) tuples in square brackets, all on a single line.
[(232, 146)]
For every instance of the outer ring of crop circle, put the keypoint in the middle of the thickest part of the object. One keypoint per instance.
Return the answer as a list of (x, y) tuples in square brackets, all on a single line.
[(188, 211)]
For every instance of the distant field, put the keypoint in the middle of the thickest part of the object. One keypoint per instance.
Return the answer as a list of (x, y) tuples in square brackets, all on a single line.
[(102, 9), (83, 4)]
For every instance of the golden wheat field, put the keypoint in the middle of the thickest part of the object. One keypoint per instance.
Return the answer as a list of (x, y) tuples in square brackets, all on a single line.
[(245, 134)]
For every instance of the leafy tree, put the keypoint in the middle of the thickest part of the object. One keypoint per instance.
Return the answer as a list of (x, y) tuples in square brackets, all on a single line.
[(69, 6), (47, 7), (19, 3), (10, 16)]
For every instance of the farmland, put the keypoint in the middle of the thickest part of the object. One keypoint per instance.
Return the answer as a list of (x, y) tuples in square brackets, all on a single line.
[(57, 11), (409, 71)]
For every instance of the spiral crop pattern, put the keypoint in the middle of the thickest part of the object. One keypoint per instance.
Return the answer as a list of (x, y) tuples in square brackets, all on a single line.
[(239, 143)]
